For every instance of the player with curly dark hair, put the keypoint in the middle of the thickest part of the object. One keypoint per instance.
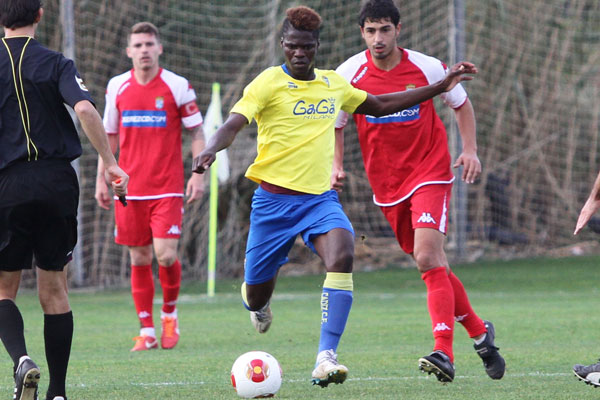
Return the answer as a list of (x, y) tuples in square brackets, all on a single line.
[(295, 106), (302, 18)]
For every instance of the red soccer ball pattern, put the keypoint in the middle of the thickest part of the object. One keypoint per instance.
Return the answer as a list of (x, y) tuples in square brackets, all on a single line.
[(257, 370)]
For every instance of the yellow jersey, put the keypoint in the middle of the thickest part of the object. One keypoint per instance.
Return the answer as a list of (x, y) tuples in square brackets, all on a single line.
[(296, 126)]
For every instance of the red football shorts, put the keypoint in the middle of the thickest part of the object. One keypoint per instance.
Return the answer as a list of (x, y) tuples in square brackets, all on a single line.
[(426, 208), (143, 220)]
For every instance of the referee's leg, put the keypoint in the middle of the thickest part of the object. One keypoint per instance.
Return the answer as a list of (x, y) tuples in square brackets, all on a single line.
[(53, 291), (12, 328), (58, 327)]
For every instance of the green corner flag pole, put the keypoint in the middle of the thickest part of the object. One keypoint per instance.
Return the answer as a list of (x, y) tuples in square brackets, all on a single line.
[(212, 228), (214, 119)]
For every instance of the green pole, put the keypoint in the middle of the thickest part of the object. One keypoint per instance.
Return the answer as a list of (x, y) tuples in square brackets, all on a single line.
[(214, 201), (212, 226)]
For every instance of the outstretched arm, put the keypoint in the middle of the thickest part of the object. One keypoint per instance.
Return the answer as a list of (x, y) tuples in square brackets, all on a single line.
[(222, 138), (393, 102), (94, 130), (590, 207)]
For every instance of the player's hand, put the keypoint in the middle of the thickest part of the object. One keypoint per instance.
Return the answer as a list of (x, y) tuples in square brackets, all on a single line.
[(471, 166), (203, 161), (195, 188), (102, 196), (589, 208), (457, 74), (338, 176), (118, 180)]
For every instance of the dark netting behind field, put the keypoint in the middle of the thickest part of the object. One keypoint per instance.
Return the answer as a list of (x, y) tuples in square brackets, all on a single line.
[(536, 101)]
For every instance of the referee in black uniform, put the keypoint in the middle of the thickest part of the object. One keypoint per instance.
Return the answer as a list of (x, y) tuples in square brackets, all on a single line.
[(39, 191)]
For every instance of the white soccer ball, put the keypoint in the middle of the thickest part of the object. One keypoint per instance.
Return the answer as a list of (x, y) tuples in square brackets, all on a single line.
[(256, 374)]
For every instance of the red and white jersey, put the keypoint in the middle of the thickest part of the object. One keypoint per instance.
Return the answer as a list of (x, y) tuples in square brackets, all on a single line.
[(408, 149), (148, 120)]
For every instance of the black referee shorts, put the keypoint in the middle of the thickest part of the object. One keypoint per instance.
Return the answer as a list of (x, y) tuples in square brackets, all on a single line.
[(38, 215)]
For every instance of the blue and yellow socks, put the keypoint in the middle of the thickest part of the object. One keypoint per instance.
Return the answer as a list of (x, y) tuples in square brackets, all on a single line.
[(336, 301)]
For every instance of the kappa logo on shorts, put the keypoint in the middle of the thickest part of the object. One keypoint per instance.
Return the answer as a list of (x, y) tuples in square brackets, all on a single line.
[(441, 326), (426, 218), (174, 230)]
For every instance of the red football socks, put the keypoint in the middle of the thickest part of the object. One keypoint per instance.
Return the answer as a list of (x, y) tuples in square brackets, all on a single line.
[(462, 309), (440, 302), (170, 280), (142, 291)]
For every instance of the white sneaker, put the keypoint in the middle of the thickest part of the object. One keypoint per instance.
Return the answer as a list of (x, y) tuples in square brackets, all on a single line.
[(328, 370), (262, 318)]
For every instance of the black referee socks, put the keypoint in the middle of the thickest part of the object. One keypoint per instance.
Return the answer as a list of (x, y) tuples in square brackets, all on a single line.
[(12, 330), (58, 334)]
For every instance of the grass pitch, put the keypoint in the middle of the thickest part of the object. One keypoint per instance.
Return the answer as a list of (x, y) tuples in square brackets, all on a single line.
[(544, 311)]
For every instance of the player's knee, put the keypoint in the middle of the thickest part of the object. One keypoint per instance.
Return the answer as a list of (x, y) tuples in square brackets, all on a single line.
[(54, 299), (141, 256), (425, 261), (167, 259), (9, 289), (343, 262), (428, 261)]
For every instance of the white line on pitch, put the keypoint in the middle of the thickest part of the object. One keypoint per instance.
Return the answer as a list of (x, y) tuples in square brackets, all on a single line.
[(375, 378), (203, 298), (425, 377), (368, 378)]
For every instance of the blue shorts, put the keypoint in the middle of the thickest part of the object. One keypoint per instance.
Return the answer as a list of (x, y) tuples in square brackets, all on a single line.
[(275, 222)]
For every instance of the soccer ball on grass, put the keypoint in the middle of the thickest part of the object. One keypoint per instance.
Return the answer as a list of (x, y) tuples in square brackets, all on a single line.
[(256, 374)]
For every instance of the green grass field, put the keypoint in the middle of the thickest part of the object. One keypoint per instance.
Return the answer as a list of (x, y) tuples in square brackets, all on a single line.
[(544, 312)]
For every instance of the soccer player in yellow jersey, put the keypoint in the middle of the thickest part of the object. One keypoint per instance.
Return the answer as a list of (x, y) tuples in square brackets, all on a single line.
[(295, 107)]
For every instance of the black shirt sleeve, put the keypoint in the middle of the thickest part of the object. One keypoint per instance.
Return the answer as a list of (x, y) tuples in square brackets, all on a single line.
[(70, 84)]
